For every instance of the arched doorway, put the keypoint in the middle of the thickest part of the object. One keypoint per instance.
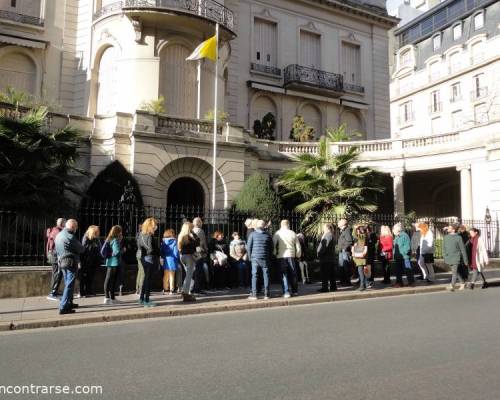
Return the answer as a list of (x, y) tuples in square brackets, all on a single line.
[(107, 82), (186, 192)]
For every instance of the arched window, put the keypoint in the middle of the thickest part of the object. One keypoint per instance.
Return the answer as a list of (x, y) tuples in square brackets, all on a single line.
[(18, 71), (312, 117), (107, 82), (178, 81), (262, 106), (352, 122)]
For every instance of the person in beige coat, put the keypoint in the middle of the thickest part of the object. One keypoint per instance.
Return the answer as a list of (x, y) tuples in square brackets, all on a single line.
[(287, 249), (479, 258)]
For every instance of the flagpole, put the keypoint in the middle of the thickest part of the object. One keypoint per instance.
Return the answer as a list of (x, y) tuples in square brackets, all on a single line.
[(214, 172), (198, 103)]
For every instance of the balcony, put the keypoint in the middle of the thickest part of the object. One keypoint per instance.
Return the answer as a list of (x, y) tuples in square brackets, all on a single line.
[(479, 93), (21, 18), (266, 69), (205, 9), (313, 80)]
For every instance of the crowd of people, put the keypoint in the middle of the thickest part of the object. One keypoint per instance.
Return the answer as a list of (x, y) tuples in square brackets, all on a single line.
[(192, 263)]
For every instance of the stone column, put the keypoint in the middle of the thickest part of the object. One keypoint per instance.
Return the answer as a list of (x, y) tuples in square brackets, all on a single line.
[(399, 193), (465, 191)]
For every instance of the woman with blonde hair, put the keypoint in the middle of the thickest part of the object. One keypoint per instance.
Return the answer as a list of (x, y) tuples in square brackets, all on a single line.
[(112, 252), (148, 248), (90, 260), (187, 243), (426, 256), (385, 251)]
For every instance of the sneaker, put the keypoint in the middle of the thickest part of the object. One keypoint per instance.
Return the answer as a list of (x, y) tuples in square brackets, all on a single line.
[(462, 286), (471, 286), (361, 289), (73, 305), (149, 304), (286, 295), (485, 285), (77, 296), (450, 288), (266, 297), (66, 311), (252, 297), (107, 301), (52, 297)]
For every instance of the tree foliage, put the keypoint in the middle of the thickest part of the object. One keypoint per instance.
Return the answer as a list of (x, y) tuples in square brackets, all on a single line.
[(154, 106), (328, 185), (37, 164), (301, 132), (258, 199)]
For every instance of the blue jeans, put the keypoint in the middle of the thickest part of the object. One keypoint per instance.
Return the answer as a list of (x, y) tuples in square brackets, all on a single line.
[(242, 267), (69, 284), (288, 274), (264, 265), (363, 280), (345, 267)]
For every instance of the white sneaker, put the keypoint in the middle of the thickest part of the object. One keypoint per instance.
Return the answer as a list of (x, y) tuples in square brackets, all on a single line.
[(286, 295), (252, 297), (462, 286), (107, 301), (450, 288)]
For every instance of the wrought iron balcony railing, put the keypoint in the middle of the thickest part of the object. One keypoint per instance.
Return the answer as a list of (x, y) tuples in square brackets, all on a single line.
[(297, 74), (266, 69), (209, 9), (21, 18), (354, 88)]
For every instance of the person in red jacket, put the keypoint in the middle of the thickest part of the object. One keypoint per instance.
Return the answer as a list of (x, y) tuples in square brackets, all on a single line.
[(50, 251), (385, 251)]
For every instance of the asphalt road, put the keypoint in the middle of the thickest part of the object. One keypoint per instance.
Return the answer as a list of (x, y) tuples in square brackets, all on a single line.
[(434, 346)]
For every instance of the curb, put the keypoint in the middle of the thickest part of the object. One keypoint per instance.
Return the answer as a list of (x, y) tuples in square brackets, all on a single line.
[(214, 307)]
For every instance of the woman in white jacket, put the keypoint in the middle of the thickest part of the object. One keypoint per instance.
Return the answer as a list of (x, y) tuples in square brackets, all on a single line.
[(479, 257), (426, 257)]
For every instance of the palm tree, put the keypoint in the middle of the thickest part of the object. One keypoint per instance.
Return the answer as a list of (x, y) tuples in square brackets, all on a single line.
[(37, 164), (328, 186)]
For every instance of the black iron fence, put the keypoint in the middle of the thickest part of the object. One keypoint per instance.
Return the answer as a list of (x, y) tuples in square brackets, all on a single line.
[(23, 238)]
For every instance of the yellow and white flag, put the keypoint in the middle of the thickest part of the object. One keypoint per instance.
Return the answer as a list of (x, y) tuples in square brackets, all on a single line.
[(207, 49)]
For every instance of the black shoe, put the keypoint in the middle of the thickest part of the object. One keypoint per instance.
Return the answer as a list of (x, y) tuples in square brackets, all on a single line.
[(419, 278), (323, 290), (333, 289), (73, 305), (66, 311), (485, 285)]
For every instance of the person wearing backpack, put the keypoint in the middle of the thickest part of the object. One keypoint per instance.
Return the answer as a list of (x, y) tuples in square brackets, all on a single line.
[(148, 247), (111, 252), (50, 251), (169, 260)]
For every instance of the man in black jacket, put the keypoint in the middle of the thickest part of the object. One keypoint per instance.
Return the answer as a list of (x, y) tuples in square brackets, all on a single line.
[(260, 250), (326, 256), (345, 258)]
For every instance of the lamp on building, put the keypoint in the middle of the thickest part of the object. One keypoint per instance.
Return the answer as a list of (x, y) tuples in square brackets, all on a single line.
[(487, 220)]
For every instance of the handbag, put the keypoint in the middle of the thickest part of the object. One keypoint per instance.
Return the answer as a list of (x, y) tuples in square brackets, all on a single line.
[(358, 252), (221, 257)]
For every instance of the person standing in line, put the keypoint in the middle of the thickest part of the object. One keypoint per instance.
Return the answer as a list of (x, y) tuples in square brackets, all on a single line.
[(260, 250), (415, 245), (68, 250), (202, 272), (187, 242), (402, 251), (149, 258), (371, 240), (326, 256), (479, 257), (359, 253), (287, 249), (91, 260), (112, 252), (219, 251), (140, 269), (345, 243), (385, 251), (239, 258), (426, 253), (50, 252), (453, 253), (304, 269), (463, 269), (249, 224), (169, 253)]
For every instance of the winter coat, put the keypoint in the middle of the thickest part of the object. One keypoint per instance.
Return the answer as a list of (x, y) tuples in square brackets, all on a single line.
[(326, 248), (68, 247), (114, 260), (260, 245), (148, 247), (415, 242), (169, 252), (203, 244), (345, 239), (385, 245), (286, 244), (454, 250), (427, 243), (482, 259), (91, 256), (402, 246)]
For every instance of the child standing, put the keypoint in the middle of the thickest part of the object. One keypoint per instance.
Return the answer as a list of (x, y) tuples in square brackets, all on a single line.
[(360, 251), (169, 260)]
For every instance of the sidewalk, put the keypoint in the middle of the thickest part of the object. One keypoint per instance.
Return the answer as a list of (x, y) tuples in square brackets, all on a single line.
[(38, 312)]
